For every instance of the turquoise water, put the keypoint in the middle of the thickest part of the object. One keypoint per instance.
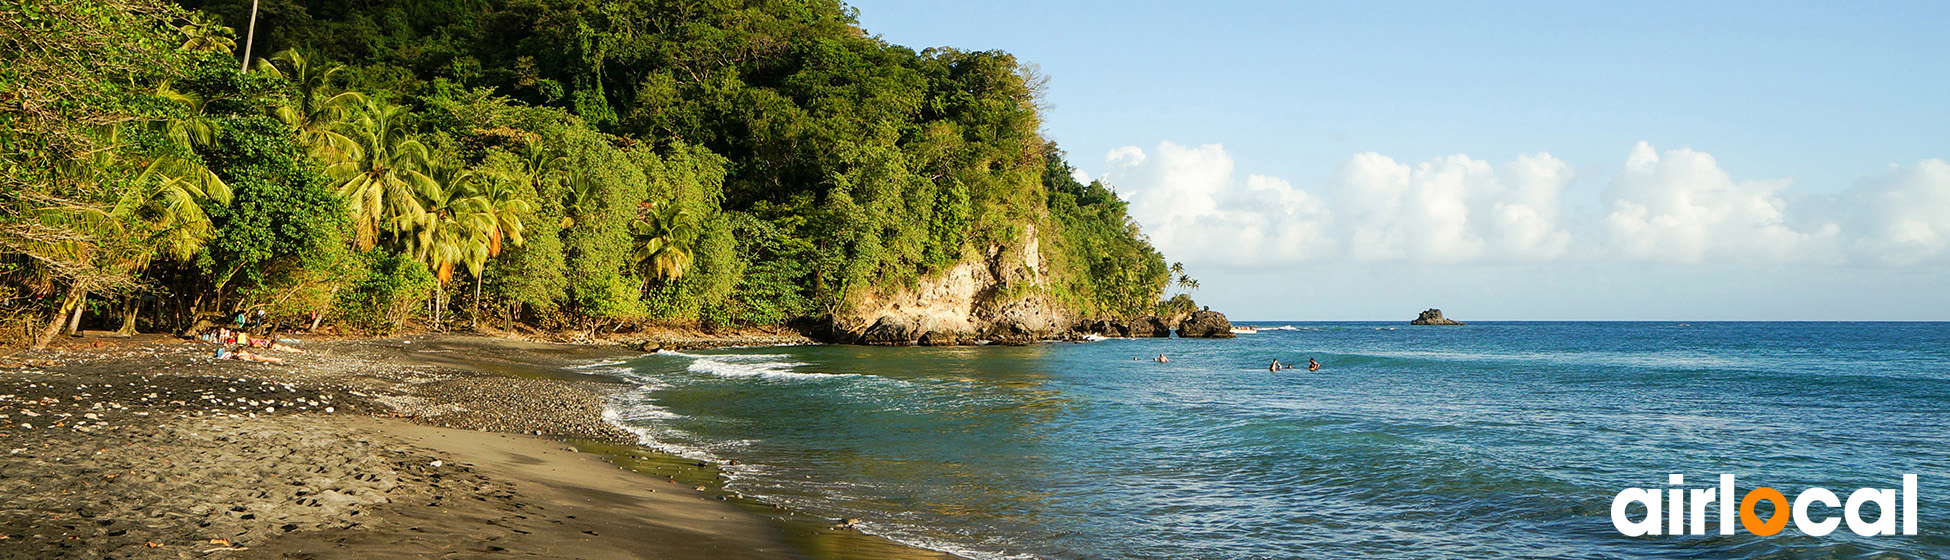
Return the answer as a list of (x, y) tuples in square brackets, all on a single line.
[(1494, 440)]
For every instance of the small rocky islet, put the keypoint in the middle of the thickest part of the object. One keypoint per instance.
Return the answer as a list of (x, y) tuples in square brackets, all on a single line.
[(1434, 317)]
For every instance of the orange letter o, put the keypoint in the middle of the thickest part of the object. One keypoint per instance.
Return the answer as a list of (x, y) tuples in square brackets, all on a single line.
[(1752, 522)]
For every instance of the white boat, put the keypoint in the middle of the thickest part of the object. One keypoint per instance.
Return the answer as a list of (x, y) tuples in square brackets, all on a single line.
[(1244, 330)]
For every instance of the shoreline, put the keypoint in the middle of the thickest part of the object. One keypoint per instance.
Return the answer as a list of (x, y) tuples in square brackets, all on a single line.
[(148, 447)]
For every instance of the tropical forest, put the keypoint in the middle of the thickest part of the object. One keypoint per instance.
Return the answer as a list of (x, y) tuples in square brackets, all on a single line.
[(380, 166)]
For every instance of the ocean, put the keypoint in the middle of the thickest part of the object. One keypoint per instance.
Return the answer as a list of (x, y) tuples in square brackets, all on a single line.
[(1494, 440)]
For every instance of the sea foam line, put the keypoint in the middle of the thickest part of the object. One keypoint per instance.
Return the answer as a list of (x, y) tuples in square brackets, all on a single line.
[(756, 366)]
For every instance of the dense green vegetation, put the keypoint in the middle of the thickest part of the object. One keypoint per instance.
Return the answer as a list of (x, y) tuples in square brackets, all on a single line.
[(554, 163)]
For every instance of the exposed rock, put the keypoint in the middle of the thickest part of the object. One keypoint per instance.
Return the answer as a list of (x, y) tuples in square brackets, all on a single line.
[(1103, 327), (1150, 326), (943, 339), (1205, 324), (999, 296), (1434, 317), (891, 330), (1011, 333)]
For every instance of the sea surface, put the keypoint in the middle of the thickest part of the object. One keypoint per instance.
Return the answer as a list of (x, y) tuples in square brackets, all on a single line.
[(1494, 440)]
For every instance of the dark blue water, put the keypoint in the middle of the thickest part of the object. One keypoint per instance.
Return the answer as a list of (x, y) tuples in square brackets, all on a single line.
[(1489, 441)]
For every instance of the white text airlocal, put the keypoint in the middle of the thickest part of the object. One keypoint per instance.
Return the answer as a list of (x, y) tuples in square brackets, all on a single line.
[(1685, 510)]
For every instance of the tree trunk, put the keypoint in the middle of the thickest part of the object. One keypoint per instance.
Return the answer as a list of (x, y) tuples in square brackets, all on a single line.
[(474, 313), (59, 318), (320, 318), (129, 310), (249, 38), (74, 322)]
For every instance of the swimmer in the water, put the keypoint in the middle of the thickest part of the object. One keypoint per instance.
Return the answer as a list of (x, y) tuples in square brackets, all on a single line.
[(1274, 367), (1312, 365), (1162, 359)]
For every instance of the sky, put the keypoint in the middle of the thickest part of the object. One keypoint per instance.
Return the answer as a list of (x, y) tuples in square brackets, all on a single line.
[(1504, 160)]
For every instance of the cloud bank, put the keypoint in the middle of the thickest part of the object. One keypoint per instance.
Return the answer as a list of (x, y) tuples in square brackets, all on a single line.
[(1676, 206)]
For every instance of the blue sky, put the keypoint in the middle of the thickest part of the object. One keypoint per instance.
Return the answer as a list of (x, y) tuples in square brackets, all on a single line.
[(1505, 161)]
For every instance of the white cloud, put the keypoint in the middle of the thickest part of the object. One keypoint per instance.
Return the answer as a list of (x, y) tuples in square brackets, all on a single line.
[(1678, 206), (1681, 207), (1451, 210), (1191, 205), (1901, 218)]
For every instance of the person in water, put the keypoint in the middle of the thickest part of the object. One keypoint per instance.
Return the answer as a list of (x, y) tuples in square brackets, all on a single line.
[(1162, 359), (1275, 366), (1312, 365)]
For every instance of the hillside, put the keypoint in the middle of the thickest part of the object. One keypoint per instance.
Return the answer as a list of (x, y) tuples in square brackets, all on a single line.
[(555, 164)]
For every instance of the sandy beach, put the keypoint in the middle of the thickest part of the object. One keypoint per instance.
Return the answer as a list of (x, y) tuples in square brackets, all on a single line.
[(431, 447)]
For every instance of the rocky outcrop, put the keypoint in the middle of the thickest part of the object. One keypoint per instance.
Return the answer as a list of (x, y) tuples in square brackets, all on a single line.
[(1205, 324), (891, 330), (1150, 326), (1434, 317), (1102, 327), (1143, 327), (998, 296)]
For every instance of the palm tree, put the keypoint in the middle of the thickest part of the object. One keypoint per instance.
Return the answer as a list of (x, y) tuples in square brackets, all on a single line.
[(383, 180), (663, 234), (166, 198), (157, 211), (581, 187), (202, 34), (503, 204), (1182, 279), (314, 114), (455, 229)]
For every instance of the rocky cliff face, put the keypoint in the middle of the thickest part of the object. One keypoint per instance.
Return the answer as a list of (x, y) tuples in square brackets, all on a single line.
[(1434, 317), (999, 297), (1206, 324)]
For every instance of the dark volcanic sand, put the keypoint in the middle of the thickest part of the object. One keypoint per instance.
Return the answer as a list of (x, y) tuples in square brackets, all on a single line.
[(154, 449)]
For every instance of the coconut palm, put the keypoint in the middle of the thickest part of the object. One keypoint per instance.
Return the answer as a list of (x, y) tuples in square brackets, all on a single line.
[(383, 177), (663, 234), (314, 112), (205, 35), (190, 128), (1182, 279), (166, 200), (156, 210), (456, 225)]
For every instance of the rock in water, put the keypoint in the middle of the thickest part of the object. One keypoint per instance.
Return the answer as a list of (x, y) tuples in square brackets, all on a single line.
[(1149, 326), (1434, 317), (1205, 324)]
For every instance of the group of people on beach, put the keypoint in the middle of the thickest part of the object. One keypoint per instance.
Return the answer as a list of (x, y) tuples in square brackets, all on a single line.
[(225, 338)]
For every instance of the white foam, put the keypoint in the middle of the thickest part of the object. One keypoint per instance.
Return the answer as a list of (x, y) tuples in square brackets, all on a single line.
[(648, 438), (755, 366)]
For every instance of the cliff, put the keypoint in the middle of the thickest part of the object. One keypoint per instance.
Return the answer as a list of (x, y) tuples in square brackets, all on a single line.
[(999, 297)]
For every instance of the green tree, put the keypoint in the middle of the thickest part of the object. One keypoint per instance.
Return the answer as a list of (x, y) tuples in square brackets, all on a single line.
[(662, 234), (314, 112), (203, 34), (384, 176)]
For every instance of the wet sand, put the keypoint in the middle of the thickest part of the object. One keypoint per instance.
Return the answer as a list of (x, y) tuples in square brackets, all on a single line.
[(443, 447)]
